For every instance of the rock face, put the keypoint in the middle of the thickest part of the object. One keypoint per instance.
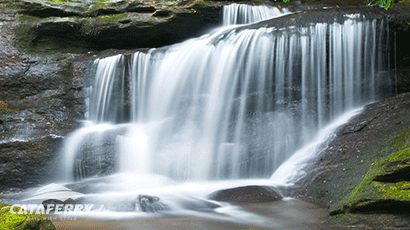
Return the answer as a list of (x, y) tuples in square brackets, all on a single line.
[(26, 164), (358, 172), (385, 188), (119, 24), (247, 194), (345, 162), (150, 203)]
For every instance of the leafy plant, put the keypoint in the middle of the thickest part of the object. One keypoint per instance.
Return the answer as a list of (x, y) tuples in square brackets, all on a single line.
[(386, 4)]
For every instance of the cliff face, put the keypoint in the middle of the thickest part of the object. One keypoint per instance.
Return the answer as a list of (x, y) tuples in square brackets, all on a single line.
[(112, 24)]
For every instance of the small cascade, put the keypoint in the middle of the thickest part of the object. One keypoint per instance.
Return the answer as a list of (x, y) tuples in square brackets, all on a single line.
[(235, 14), (234, 103)]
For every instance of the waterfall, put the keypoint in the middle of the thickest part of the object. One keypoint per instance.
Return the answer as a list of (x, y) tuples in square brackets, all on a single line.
[(234, 103), (235, 14)]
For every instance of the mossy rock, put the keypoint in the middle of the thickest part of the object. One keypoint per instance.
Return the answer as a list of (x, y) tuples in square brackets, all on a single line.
[(384, 189), (10, 221)]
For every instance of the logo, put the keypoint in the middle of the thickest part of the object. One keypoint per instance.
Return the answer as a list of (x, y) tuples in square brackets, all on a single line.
[(62, 208)]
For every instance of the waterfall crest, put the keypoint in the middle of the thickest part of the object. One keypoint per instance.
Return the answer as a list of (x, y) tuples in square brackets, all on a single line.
[(235, 103), (235, 14)]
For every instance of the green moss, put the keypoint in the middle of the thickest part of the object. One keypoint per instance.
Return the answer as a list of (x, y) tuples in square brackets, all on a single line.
[(399, 191), (369, 190), (402, 140), (111, 16), (10, 221)]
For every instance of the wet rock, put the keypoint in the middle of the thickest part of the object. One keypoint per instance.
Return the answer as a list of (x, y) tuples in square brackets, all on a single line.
[(384, 189), (356, 128), (101, 25), (150, 203), (26, 164), (247, 194), (51, 204), (344, 163), (342, 171), (161, 13)]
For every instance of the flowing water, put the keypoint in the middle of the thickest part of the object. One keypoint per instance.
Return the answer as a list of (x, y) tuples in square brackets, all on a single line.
[(232, 106)]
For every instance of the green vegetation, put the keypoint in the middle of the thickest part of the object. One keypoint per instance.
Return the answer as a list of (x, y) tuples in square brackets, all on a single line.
[(110, 17), (371, 192), (386, 4), (10, 221)]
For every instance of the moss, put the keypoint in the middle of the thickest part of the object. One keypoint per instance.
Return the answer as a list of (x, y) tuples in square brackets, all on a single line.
[(111, 17), (401, 141), (10, 221), (370, 190), (4, 107)]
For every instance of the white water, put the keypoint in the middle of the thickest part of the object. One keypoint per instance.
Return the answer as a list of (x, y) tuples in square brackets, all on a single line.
[(292, 169), (236, 14), (233, 104)]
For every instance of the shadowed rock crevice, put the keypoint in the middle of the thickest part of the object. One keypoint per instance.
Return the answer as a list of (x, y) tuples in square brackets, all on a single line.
[(400, 174)]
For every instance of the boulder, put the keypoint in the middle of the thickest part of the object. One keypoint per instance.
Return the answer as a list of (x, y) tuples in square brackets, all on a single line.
[(26, 164), (112, 24), (384, 189), (150, 203), (247, 194)]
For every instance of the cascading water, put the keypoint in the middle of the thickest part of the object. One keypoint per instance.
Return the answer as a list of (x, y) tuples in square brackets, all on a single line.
[(236, 14), (235, 103)]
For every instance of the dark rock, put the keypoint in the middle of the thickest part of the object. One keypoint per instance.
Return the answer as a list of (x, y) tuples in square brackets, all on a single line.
[(150, 203), (43, 10), (161, 13), (138, 8), (345, 162), (341, 178), (247, 194), (356, 128), (26, 164), (120, 24), (389, 195), (54, 202)]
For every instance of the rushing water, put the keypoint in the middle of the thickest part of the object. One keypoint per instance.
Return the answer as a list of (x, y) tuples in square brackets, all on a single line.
[(236, 14), (233, 104)]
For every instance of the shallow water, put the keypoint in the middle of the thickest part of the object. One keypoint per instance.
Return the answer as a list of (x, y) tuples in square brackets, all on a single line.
[(284, 214)]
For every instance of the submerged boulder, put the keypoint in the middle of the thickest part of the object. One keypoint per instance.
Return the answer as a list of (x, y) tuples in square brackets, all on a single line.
[(247, 194), (150, 203)]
